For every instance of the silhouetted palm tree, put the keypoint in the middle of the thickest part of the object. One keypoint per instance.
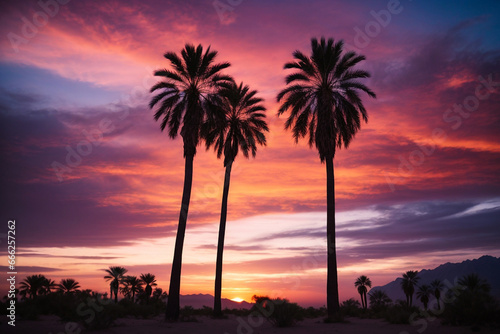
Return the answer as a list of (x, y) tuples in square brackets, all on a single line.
[(32, 285), (133, 285), (150, 281), (379, 299), (437, 286), (408, 284), (68, 285), (363, 283), (324, 102), (474, 284), (423, 293), (116, 275), (186, 93), (48, 286), (240, 126)]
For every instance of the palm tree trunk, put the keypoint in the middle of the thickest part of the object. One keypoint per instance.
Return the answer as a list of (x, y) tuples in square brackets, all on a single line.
[(220, 245), (173, 303), (332, 289)]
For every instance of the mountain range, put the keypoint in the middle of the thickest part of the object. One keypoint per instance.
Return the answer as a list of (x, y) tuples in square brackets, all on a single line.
[(199, 300), (486, 267)]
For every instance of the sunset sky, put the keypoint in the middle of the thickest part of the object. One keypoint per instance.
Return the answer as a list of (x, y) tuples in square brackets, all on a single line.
[(419, 186)]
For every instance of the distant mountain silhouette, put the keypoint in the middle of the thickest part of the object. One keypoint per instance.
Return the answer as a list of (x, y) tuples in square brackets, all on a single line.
[(200, 300), (487, 267)]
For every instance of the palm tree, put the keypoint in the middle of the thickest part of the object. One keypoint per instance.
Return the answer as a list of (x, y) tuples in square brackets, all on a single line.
[(133, 285), (324, 102), (240, 126), (362, 282), (408, 284), (116, 277), (186, 93), (68, 285), (379, 299), (474, 284), (150, 281), (423, 293), (32, 285), (437, 286), (48, 285)]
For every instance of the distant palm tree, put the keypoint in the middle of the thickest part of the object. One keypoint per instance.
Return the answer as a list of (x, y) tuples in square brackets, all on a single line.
[(241, 126), (115, 275), (379, 299), (32, 285), (408, 284), (68, 285), (48, 286), (423, 294), (363, 283), (186, 94), (474, 284), (150, 281), (437, 286), (133, 285), (324, 102)]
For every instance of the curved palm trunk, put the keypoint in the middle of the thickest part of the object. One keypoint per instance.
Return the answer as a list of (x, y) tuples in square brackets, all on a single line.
[(362, 301), (366, 303), (220, 245), (173, 303), (332, 289)]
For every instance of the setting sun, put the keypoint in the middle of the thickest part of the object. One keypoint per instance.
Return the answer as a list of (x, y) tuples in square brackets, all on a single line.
[(237, 299)]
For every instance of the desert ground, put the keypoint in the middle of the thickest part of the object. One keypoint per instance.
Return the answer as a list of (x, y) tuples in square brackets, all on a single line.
[(234, 325)]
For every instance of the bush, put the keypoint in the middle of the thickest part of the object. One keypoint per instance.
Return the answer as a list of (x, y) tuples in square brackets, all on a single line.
[(350, 308), (279, 312)]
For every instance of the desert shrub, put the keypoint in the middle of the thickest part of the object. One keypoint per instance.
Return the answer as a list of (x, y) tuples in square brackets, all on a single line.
[(470, 304), (279, 312), (312, 312), (350, 308), (188, 314)]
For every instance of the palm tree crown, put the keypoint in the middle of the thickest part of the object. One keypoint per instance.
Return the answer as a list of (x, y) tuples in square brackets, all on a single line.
[(187, 92), (323, 96), (32, 285), (68, 285), (240, 124), (150, 281)]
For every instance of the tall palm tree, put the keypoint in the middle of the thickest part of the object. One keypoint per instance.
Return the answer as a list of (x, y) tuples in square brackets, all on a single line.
[(115, 276), (68, 285), (186, 92), (150, 281), (240, 126), (437, 286), (133, 285), (32, 285), (423, 294), (363, 283), (408, 284), (323, 97)]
